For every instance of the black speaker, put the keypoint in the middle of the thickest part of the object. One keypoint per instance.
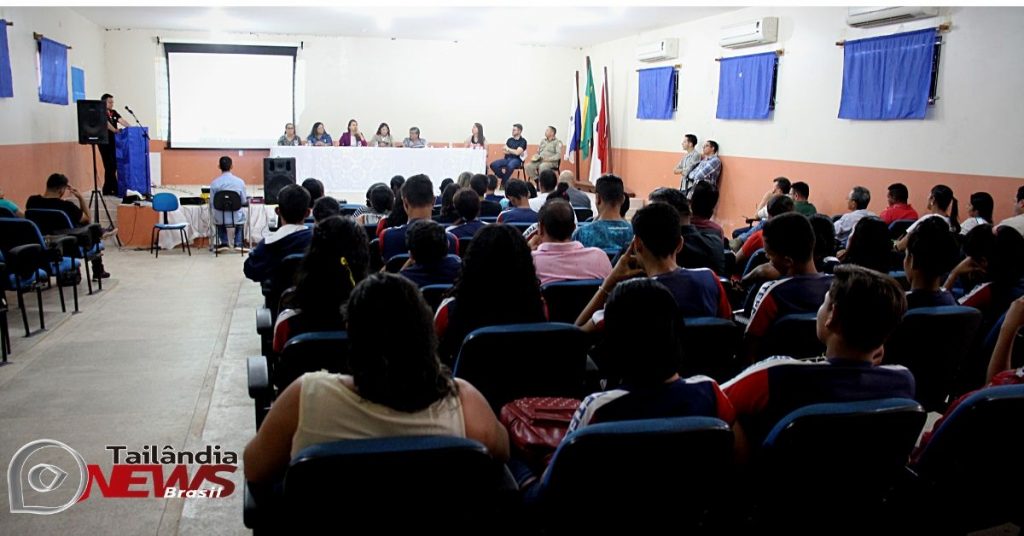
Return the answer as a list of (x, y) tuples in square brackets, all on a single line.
[(92, 122), (277, 173)]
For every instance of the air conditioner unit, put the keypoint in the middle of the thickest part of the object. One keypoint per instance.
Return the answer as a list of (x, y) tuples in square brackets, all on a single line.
[(665, 49), (861, 17), (748, 34)]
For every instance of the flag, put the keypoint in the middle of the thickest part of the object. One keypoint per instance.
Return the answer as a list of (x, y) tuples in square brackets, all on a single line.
[(574, 122), (589, 113), (599, 163)]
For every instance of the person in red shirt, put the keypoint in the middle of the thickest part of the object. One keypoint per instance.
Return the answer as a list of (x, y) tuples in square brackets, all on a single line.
[(899, 208)]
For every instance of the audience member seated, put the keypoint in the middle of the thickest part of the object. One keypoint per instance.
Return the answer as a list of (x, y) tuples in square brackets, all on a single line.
[(418, 201), (315, 189), (440, 190), (558, 257), (467, 206), (576, 197), (898, 208), (379, 202), (290, 238), (397, 388), (780, 186), (789, 244), (448, 214), (979, 212), (703, 200), (780, 204), (429, 262), (463, 180), (824, 252), (337, 260), (859, 312), (941, 204), (609, 231), (518, 195), (325, 207), (800, 192), (397, 215), (498, 254), (1000, 368), (58, 187), (857, 203), (869, 246), (492, 187), (978, 248), (546, 183), (931, 253), (702, 248), (478, 183), (227, 181), (1005, 270), (9, 205), (697, 292), (1017, 221)]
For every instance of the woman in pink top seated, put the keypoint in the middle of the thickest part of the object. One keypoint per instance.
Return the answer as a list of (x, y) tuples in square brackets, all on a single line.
[(352, 137), (397, 387)]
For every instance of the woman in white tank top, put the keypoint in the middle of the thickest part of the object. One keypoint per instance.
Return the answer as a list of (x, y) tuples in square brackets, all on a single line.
[(398, 387)]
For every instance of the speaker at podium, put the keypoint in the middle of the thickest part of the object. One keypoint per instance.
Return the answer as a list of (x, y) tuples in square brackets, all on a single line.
[(277, 173)]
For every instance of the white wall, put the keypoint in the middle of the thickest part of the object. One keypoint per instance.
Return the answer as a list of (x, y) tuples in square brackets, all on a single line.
[(975, 127), (23, 117), (441, 87)]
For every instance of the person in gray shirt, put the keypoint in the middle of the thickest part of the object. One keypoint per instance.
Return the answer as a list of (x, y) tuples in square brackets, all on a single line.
[(690, 159)]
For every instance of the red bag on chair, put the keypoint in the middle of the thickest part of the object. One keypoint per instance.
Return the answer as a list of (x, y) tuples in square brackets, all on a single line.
[(536, 426)]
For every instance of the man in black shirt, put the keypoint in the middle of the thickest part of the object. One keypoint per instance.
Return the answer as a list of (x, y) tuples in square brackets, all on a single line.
[(57, 188), (515, 150), (107, 152)]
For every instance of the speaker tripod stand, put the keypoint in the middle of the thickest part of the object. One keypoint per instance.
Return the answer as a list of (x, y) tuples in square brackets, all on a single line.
[(96, 198)]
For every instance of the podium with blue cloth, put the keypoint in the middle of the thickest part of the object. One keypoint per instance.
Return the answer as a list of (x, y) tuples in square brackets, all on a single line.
[(131, 145)]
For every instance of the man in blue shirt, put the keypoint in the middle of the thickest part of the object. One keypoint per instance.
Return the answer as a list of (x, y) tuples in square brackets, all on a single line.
[(515, 150), (418, 200), (467, 206), (429, 260), (610, 231), (518, 195), (710, 167), (228, 182)]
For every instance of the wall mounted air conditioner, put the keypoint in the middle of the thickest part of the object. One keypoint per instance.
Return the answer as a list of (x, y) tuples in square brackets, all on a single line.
[(665, 49), (861, 17), (748, 34)]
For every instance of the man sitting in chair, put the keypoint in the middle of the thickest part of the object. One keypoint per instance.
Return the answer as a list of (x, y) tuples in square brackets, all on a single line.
[(291, 237), (549, 154), (58, 189), (227, 181), (515, 149)]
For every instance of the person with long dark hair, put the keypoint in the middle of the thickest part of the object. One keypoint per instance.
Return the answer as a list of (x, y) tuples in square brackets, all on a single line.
[(476, 139), (497, 253), (318, 136), (383, 137), (979, 211), (336, 261), (352, 136), (397, 387), (397, 215), (107, 152), (870, 245), (448, 214), (941, 204), (379, 201)]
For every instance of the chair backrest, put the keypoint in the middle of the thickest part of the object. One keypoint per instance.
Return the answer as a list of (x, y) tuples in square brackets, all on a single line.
[(934, 343), (48, 220), (6, 213), (583, 214), (168, 202), (415, 477), (898, 228), (567, 299), (519, 360), (973, 463), (609, 467), (828, 456), (225, 200), (757, 259), (489, 219), (521, 226), (464, 244), (434, 294), (376, 262), (310, 352), (371, 230), (792, 335), (16, 232), (710, 345), (282, 278), (350, 209), (395, 264)]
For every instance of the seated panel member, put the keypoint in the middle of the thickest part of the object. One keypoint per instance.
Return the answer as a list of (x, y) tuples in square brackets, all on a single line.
[(289, 138), (352, 136), (549, 154), (515, 149), (414, 141), (318, 136)]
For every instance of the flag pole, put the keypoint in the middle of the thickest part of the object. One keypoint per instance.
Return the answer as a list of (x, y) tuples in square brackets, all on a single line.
[(577, 148), (607, 118)]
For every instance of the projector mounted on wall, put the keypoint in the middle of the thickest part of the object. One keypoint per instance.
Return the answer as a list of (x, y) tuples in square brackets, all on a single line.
[(759, 32), (862, 17), (665, 49)]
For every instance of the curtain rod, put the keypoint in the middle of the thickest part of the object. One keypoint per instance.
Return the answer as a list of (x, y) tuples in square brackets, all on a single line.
[(779, 52), (940, 28), (37, 36), (676, 66), (9, 23)]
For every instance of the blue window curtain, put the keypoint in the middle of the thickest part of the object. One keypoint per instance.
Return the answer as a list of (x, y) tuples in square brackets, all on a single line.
[(53, 72), (6, 82), (887, 77), (745, 86), (655, 95)]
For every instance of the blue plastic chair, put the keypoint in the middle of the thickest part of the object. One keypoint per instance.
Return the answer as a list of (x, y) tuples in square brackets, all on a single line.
[(567, 299), (164, 203), (898, 228), (434, 294), (56, 222), (793, 335), (49, 260), (710, 346)]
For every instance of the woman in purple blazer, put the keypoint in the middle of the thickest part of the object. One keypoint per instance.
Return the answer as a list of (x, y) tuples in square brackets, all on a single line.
[(352, 138)]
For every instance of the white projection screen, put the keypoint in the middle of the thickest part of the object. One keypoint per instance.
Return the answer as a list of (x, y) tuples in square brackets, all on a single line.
[(229, 96)]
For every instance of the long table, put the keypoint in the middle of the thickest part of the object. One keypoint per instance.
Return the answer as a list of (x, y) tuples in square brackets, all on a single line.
[(354, 169), (135, 223)]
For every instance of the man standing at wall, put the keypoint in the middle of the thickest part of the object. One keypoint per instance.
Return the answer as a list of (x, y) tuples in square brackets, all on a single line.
[(710, 167), (690, 159)]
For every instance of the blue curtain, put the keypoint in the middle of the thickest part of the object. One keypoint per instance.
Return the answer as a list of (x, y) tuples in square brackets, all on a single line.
[(887, 77), (53, 72), (655, 99), (745, 86), (6, 82)]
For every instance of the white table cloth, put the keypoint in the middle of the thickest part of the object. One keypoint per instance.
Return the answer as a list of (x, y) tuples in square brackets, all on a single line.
[(354, 169), (198, 218)]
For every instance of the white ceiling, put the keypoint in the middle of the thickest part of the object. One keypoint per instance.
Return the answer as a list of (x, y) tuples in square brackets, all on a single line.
[(556, 26)]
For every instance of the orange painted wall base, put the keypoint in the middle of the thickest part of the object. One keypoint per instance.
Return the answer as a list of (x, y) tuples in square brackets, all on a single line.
[(24, 168)]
